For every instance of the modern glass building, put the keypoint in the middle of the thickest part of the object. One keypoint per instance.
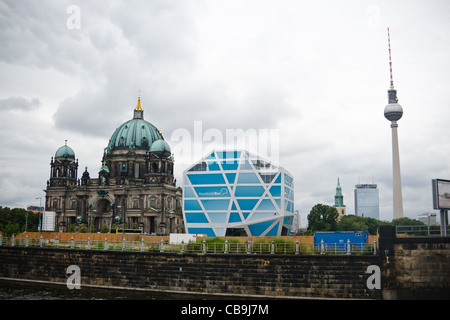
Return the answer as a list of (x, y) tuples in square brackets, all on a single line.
[(367, 203), (235, 193)]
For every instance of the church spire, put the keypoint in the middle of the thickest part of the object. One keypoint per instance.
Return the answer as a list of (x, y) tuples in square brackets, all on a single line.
[(338, 198)]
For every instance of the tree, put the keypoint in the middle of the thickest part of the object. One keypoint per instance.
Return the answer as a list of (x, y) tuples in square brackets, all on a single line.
[(17, 220), (322, 218), (72, 228), (407, 222), (351, 223), (354, 223), (83, 229), (11, 228), (104, 229)]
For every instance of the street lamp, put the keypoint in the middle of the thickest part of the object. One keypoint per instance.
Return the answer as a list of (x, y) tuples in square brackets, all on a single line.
[(123, 218), (90, 219), (40, 225)]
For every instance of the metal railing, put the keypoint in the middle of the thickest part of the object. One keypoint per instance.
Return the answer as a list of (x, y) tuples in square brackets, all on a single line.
[(204, 247), (421, 231)]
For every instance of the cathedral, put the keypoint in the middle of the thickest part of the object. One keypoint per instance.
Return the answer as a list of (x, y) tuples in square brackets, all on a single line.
[(135, 187)]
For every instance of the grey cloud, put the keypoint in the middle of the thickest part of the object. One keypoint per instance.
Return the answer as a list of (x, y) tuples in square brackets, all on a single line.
[(128, 51), (315, 75), (19, 103), (35, 34)]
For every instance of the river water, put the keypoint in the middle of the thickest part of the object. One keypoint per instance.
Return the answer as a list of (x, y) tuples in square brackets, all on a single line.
[(18, 290)]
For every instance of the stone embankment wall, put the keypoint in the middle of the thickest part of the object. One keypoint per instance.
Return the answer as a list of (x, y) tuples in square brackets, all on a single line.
[(325, 276), (410, 268), (414, 268)]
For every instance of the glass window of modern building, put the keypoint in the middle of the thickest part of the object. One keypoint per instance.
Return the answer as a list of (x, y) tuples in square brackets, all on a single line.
[(367, 202), (236, 193)]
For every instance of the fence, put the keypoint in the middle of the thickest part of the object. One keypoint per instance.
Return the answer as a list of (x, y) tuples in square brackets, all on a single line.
[(421, 231), (226, 247)]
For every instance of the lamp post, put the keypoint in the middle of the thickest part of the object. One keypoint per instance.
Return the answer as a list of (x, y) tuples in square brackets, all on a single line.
[(26, 222), (123, 218), (40, 225), (90, 219)]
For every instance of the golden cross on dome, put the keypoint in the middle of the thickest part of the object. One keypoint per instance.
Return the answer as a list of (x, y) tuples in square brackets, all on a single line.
[(138, 107)]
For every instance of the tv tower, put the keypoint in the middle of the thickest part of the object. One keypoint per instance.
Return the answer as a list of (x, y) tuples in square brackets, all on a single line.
[(393, 112)]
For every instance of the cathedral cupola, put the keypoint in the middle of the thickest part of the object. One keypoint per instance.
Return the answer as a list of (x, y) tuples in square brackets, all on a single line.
[(63, 168), (134, 134), (85, 178)]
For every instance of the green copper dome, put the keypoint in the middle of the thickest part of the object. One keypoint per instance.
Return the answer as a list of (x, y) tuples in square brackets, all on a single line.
[(135, 133), (160, 146), (65, 152)]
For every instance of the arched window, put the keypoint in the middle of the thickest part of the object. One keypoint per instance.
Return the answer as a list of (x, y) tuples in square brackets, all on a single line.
[(136, 170), (153, 203), (154, 168)]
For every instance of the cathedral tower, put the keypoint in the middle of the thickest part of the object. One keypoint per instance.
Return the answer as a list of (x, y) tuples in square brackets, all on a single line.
[(63, 168)]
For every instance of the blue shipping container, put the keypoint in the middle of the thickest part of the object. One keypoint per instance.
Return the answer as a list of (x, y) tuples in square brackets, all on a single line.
[(340, 238)]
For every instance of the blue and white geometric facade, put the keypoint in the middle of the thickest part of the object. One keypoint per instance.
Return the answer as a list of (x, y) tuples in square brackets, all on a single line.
[(235, 193)]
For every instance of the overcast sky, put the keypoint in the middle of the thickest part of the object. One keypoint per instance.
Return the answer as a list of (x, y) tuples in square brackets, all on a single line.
[(313, 73)]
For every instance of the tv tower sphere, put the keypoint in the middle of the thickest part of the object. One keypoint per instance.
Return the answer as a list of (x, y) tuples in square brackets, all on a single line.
[(393, 111)]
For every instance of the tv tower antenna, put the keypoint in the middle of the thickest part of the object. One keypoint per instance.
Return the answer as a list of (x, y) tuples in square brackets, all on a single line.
[(390, 59)]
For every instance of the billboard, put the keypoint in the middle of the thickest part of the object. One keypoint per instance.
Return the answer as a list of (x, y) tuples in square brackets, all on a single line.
[(48, 221), (441, 194)]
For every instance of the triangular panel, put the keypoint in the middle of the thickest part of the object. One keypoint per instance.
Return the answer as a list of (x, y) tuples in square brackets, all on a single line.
[(234, 217), (274, 231), (231, 177), (258, 228), (211, 156), (266, 204), (191, 205), (275, 191), (247, 204), (218, 217), (278, 180), (248, 177), (215, 204)]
